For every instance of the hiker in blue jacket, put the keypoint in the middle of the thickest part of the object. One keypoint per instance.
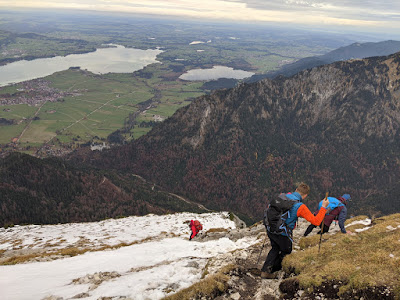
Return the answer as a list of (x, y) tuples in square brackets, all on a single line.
[(281, 242), (337, 210)]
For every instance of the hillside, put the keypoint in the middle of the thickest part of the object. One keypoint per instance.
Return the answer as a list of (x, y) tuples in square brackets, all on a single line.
[(145, 257), (365, 264), (335, 127), (51, 191), (150, 257)]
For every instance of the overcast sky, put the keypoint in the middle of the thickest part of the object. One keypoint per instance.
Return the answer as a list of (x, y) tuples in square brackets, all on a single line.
[(361, 14)]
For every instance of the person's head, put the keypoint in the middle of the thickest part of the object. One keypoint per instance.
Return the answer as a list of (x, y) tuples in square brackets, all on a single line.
[(346, 196), (303, 189)]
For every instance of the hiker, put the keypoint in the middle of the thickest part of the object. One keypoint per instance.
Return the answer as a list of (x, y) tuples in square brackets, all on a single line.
[(281, 237), (337, 210), (195, 226)]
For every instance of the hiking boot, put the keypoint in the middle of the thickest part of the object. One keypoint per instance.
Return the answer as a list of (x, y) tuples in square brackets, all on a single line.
[(267, 275), (255, 271)]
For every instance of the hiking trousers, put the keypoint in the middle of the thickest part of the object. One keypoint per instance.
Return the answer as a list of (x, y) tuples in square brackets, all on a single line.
[(281, 246), (311, 227)]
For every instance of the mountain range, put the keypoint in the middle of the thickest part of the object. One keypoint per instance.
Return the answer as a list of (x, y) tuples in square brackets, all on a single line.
[(353, 51), (335, 127)]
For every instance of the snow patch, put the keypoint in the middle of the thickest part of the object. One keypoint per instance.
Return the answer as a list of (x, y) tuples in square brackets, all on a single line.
[(365, 222), (149, 269)]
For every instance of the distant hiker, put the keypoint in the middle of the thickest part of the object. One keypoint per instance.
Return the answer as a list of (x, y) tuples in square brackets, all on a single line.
[(337, 210), (280, 219), (195, 226)]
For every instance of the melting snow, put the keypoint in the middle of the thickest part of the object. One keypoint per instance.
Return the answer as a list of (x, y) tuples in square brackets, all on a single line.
[(365, 222), (363, 229), (162, 260)]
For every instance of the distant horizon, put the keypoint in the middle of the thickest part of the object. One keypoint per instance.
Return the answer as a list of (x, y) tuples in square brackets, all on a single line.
[(355, 16), (340, 30)]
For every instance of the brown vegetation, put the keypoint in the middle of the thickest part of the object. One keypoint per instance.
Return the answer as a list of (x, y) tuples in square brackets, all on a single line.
[(368, 261)]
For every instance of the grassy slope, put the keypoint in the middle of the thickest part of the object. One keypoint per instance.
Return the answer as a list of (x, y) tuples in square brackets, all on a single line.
[(365, 260)]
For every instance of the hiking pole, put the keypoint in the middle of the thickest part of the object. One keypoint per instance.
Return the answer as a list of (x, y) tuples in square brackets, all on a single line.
[(261, 250), (322, 226)]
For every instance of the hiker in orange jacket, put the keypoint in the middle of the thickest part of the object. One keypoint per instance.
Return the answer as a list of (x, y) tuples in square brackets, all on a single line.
[(281, 243), (195, 226)]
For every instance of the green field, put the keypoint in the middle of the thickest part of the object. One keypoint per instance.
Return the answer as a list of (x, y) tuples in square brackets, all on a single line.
[(102, 107)]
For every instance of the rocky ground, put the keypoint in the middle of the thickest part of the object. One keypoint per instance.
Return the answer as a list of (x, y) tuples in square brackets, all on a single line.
[(245, 283)]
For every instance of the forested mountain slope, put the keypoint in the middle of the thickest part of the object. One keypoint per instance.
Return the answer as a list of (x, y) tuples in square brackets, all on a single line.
[(50, 191), (335, 127)]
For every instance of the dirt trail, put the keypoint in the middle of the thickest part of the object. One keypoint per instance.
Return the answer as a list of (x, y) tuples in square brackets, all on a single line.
[(172, 194)]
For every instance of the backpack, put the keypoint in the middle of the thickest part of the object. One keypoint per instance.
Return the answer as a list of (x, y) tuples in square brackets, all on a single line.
[(343, 200), (198, 225), (276, 214)]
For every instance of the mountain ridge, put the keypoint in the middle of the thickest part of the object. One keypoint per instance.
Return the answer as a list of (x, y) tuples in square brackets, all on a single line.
[(353, 51)]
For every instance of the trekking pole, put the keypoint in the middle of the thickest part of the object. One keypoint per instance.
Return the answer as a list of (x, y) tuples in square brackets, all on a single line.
[(322, 226), (261, 250)]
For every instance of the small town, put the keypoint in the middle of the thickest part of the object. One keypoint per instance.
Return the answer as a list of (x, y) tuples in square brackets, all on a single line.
[(36, 92)]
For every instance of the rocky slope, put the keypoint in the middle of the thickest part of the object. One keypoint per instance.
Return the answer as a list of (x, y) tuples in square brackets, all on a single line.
[(243, 281)]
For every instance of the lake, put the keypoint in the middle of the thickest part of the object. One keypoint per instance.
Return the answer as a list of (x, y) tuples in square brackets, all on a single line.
[(117, 59), (215, 73)]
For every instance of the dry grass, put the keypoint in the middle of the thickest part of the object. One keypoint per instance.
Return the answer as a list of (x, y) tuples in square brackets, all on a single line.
[(370, 258), (309, 241), (208, 288), (71, 251), (217, 230), (19, 259)]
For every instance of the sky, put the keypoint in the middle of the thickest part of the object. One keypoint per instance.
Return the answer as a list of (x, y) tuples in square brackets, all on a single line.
[(363, 15)]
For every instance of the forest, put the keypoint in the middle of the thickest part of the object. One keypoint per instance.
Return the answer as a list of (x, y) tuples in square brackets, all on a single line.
[(51, 191)]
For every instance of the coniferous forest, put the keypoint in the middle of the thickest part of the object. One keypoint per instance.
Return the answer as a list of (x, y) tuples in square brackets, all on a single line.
[(49, 191)]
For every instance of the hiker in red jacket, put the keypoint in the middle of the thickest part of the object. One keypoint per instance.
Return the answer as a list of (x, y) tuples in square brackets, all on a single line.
[(195, 226)]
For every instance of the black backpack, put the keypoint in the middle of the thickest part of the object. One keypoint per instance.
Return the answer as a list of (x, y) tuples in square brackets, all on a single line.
[(276, 213)]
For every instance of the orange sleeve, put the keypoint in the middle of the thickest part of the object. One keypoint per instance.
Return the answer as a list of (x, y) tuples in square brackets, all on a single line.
[(305, 213)]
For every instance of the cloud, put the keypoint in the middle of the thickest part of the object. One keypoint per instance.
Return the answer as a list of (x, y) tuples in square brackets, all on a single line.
[(368, 14), (354, 9)]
